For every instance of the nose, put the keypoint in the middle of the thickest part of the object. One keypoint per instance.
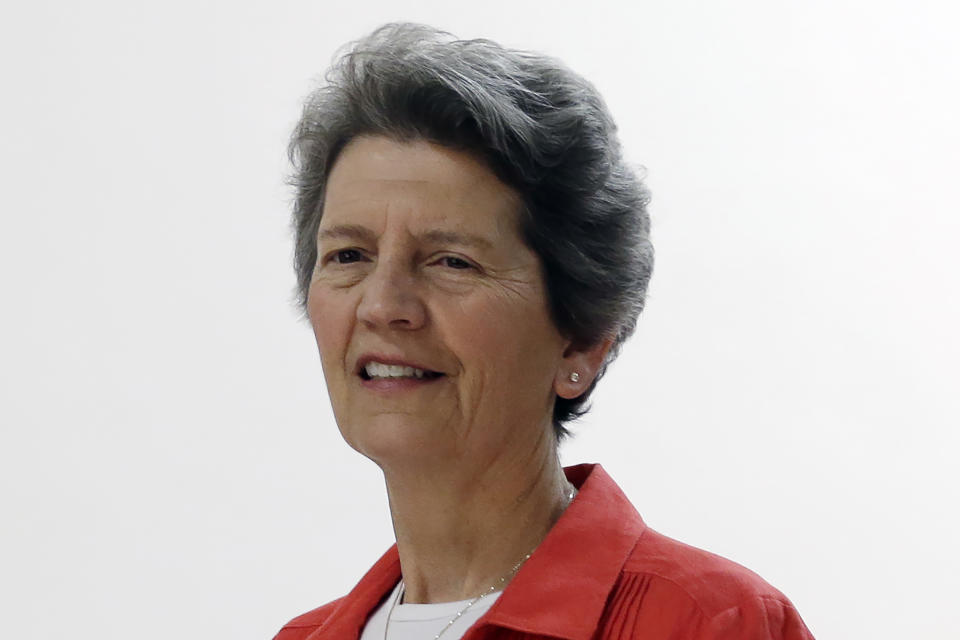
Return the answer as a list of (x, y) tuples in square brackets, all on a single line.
[(390, 299)]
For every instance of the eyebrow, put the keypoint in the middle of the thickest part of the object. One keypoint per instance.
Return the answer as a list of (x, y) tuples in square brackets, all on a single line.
[(349, 231), (436, 236)]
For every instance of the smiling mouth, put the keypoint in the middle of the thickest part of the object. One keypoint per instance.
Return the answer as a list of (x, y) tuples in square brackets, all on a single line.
[(380, 371)]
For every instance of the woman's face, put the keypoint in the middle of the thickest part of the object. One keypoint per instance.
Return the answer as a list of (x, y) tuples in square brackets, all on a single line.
[(429, 310)]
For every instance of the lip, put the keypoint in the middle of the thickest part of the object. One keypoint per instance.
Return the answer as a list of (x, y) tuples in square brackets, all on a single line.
[(367, 358), (393, 385)]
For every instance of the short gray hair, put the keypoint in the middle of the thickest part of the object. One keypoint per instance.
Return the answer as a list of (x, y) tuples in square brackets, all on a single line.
[(542, 129)]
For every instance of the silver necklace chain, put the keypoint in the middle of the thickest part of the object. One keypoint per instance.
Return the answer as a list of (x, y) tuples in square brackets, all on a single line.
[(503, 580), (462, 611)]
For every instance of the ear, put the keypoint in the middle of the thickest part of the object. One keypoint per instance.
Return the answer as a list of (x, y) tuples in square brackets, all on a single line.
[(585, 362)]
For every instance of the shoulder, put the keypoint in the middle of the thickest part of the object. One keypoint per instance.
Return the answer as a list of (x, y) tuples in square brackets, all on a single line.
[(711, 581), (305, 624), (674, 585)]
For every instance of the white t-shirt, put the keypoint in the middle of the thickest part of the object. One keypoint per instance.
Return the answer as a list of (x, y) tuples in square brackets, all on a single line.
[(424, 621)]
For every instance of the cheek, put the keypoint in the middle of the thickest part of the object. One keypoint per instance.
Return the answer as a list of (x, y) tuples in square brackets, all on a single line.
[(513, 342), (330, 321)]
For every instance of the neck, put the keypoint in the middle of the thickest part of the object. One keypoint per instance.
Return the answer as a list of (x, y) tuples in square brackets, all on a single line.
[(459, 531)]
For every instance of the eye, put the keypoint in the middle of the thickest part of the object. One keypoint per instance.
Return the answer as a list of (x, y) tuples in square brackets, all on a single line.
[(454, 262), (346, 256)]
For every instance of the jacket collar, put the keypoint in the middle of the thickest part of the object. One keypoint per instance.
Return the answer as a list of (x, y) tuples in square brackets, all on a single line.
[(560, 591)]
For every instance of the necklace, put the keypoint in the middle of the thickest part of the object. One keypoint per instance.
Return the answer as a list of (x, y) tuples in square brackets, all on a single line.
[(499, 583), (462, 611)]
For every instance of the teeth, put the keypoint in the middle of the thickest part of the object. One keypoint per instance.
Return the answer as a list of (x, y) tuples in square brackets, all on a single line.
[(380, 370)]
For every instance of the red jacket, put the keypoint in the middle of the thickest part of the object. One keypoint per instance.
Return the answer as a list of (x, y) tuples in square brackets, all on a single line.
[(600, 573)]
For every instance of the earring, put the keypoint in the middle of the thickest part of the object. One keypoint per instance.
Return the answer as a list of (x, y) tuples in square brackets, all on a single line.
[(574, 377)]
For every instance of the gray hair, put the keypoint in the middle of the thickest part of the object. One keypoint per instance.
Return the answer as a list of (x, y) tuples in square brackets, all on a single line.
[(542, 129)]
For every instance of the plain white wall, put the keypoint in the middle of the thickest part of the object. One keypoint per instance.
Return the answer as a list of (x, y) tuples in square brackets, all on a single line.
[(169, 463)]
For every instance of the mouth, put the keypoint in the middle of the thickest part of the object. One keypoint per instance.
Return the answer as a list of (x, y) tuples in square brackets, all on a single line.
[(374, 370)]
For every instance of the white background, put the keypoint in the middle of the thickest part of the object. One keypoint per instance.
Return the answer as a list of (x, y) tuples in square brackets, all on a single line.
[(169, 464)]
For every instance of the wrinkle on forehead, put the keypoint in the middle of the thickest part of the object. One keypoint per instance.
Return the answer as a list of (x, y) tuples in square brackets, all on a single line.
[(431, 219), (350, 190), (415, 163), (418, 185)]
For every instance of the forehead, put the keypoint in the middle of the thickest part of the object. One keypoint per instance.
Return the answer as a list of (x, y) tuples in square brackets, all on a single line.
[(376, 178)]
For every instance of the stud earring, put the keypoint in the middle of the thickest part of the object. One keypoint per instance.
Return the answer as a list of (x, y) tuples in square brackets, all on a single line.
[(574, 377)]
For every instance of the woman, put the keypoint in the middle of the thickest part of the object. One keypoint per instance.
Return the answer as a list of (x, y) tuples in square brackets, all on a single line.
[(471, 253)]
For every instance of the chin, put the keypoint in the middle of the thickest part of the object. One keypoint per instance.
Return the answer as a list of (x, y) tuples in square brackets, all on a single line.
[(394, 438)]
